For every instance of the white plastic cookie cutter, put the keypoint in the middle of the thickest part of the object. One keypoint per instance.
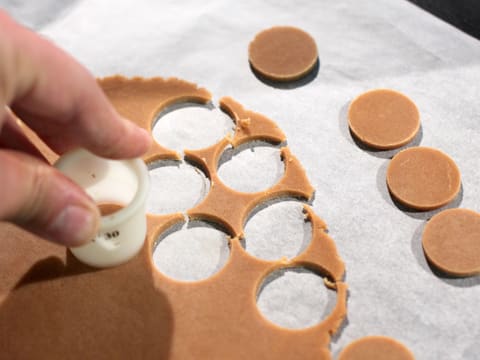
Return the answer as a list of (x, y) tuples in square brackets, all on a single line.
[(124, 183)]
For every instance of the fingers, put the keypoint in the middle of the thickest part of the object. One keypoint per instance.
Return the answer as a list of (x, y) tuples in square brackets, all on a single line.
[(40, 199), (64, 105), (59, 99)]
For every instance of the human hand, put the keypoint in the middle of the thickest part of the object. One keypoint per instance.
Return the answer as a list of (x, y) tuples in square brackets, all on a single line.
[(62, 103)]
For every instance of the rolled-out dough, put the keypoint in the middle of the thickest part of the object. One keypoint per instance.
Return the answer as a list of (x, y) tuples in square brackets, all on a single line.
[(61, 308)]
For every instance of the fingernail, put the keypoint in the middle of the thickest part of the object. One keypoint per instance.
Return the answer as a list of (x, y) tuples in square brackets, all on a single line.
[(74, 225)]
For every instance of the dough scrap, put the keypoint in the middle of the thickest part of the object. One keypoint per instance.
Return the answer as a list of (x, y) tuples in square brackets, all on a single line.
[(63, 308), (283, 53), (451, 242), (423, 178), (376, 348), (383, 119)]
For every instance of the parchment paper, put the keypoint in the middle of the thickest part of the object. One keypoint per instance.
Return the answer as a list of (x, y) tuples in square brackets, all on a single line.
[(362, 45)]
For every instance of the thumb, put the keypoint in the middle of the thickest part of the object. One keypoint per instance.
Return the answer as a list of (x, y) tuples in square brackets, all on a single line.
[(43, 201)]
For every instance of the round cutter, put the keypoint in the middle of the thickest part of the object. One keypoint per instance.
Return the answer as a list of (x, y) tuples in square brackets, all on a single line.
[(121, 184)]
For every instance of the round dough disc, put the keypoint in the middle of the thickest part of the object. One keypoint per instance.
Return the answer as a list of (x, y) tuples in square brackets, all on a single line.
[(451, 242), (423, 178), (383, 119), (283, 53), (376, 348)]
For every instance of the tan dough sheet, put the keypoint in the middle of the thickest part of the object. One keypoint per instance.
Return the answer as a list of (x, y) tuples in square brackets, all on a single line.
[(53, 307)]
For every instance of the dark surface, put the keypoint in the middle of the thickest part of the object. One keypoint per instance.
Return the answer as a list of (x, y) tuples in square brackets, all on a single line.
[(464, 14)]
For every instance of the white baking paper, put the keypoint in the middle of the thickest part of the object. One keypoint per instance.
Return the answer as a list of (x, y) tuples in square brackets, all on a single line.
[(362, 45)]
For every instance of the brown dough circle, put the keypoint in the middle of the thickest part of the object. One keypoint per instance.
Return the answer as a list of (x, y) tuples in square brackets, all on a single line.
[(283, 53), (383, 119), (423, 178), (376, 348), (451, 242)]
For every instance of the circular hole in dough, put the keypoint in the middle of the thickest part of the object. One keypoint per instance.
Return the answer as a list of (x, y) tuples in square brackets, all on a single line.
[(451, 242), (253, 169), (191, 126), (176, 186), (283, 53), (383, 119), (277, 230), (192, 252), (423, 178), (295, 298), (376, 348)]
